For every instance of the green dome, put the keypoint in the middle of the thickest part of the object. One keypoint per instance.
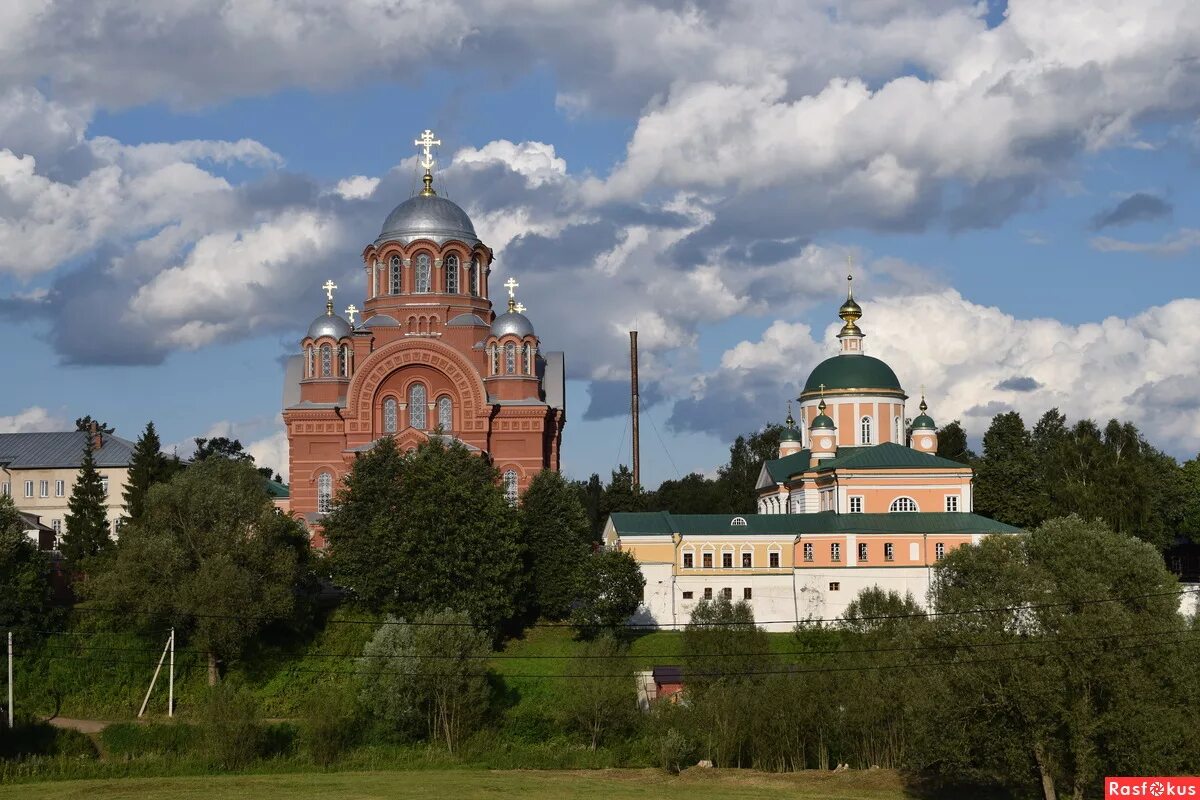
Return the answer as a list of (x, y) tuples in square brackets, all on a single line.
[(822, 422), (924, 423), (851, 372), (790, 434)]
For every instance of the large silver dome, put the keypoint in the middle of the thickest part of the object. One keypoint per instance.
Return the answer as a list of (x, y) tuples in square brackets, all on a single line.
[(428, 217), (328, 325), (514, 323)]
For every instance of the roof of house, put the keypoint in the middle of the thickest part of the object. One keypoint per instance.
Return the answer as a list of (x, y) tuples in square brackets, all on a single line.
[(60, 450), (33, 522), (667, 674), (277, 489), (665, 523), (888, 455)]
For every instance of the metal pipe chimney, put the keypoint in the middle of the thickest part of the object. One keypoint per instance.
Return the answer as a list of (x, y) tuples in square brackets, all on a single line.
[(633, 378)]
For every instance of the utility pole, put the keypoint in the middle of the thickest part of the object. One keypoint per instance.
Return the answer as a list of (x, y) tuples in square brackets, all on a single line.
[(171, 679), (10, 686), (168, 647), (633, 378)]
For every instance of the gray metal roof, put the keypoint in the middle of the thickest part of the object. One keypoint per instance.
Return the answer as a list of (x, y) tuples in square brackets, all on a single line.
[(514, 323), (380, 321), (329, 325), (428, 217), (60, 450), (466, 319)]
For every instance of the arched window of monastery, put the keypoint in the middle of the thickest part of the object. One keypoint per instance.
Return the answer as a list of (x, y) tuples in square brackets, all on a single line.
[(451, 265), (417, 398), (528, 359), (473, 277), (389, 415), (309, 363), (324, 493), (445, 412), (738, 522), (424, 273), (903, 504), (394, 284), (510, 486), (326, 360), (495, 359), (865, 430), (343, 361), (510, 358)]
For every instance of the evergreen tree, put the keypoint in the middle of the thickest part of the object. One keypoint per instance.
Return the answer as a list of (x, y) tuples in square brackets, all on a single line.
[(25, 591), (147, 467), (220, 447), (1008, 479), (952, 443), (691, 494), (740, 475), (87, 521), (85, 424), (621, 494), (591, 495), (556, 535)]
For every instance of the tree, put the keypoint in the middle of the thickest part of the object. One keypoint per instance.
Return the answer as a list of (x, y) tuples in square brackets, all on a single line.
[(427, 529), (87, 521), (147, 467), (610, 590), (556, 535), (591, 495), (427, 678), (603, 703), (621, 494), (85, 424), (25, 591), (952, 443), (1008, 486), (220, 447), (691, 494), (211, 556), (740, 475)]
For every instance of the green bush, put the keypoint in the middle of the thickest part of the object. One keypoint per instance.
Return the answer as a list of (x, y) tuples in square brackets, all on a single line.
[(674, 751), (233, 735), (36, 738), (329, 725), (129, 740), (528, 726)]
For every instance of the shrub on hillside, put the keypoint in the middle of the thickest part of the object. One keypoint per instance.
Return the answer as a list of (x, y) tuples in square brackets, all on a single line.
[(129, 740), (329, 725), (36, 738), (233, 736)]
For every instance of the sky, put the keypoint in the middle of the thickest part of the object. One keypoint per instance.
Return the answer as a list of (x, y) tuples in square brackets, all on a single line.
[(1016, 185)]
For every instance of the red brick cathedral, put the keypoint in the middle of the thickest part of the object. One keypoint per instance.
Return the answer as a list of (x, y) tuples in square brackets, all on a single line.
[(429, 358)]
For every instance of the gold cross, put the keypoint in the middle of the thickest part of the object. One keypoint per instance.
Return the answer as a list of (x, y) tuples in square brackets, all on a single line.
[(350, 312), (427, 143), (511, 284), (329, 286), (520, 309)]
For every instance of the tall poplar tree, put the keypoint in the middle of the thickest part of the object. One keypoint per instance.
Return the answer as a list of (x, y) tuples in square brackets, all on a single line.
[(87, 519)]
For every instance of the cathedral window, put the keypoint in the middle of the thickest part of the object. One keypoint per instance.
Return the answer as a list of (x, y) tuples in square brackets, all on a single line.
[(510, 486), (389, 415), (344, 361), (495, 353), (394, 274), (416, 406), (326, 360), (424, 271), (903, 504), (452, 274), (510, 358), (310, 363), (528, 360), (473, 277), (324, 493), (865, 430), (445, 412)]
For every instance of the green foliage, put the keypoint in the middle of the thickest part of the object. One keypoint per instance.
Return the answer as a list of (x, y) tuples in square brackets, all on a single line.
[(1007, 485), (603, 701), (556, 535), (952, 443), (328, 726), (30, 737), (220, 447), (622, 494), (591, 497), (25, 591), (427, 679), (610, 589), (746, 457), (210, 556), (233, 736), (86, 535), (85, 424), (427, 529), (675, 751), (128, 740), (691, 494), (147, 467)]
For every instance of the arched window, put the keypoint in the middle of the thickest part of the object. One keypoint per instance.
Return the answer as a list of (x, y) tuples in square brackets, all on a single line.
[(495, 353), (310, 363), (389, 415), (326, 360), (394, 283), (324, 493), (528, 360), (445, 412), (865, 430), (424, 269), (738, 522), (510, 486), (904, 504), (473, 277), (452, 274), (510, 358), (416, 406), (343, 360)]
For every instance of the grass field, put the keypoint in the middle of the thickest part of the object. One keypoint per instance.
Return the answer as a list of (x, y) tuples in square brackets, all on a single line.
[(693, 784)]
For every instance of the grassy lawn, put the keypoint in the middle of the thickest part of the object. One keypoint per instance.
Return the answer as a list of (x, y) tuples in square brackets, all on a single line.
[(466, 784)]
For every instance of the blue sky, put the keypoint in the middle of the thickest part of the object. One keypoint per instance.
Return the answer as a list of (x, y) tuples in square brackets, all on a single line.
[(1017, 186)]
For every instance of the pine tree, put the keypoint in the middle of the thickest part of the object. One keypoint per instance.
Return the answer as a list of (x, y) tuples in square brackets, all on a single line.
[(147, 467), (87, 521)]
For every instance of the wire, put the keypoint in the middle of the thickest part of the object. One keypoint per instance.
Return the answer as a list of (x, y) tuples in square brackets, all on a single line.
[(650, 417)]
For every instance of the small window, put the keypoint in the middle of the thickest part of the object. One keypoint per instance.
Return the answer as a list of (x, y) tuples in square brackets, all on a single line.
[(510, 358), (57, 526), (424, 271), (747, 594), (344, 361), (939, 551), (738, 521), (808, 551), (495, 351), (727, 560), (773, 560), (708, 593), (43, 488), (5, 489), (835, 586), (903, 504), (324, 493), (889, 551), (688, 560), (897, 433), (687, 595), (727, 593), (856, 505), (309, 363), (60, 488), (394, 284), (104, 484), (527, 360), (29, 488), (747, 560), (952, 502), (862, 552), (510, 487), (835, 552), (707, 560), (473, 277), (451, 274), (326, 361), (389, 415), (865, 430), (445, 412)]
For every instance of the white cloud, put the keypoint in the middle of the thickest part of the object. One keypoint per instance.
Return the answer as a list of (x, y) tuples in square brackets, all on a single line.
[(536, 161), (356, 187), (33, 420)]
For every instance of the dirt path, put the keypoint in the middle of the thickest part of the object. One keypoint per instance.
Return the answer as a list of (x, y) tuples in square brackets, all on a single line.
[(81, 725)]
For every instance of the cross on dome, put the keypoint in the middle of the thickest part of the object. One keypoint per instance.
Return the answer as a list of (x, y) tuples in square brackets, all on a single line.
[(329, 286), (427, 143), (511, 284), (351, 310), (519, 308)]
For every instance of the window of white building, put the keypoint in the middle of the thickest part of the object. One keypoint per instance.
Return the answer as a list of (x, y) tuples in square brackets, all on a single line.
[(60, 488), (903, 504)]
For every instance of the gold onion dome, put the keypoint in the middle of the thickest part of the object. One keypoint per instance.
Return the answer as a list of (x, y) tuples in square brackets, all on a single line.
[(851, 311)]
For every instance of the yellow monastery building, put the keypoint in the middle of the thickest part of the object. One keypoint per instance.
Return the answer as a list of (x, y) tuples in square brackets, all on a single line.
[(857, 498)]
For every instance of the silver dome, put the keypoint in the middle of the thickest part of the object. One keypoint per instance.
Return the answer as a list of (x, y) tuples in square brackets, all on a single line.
[(428, 217), (514, 323), (329, 325)]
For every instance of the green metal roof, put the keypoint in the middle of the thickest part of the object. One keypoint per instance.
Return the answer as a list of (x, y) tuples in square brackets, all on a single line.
[(822, 422), (790, 434), (664, 523), (780, 469), (888, 455), (851, 372), (276, 489), (924, 423)]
